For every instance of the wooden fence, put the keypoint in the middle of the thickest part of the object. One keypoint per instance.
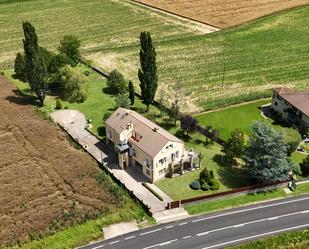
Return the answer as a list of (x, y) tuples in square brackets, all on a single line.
[(245, 190)]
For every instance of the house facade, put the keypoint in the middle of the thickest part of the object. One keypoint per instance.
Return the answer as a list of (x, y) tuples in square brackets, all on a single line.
[(293, 106), (142, 144)]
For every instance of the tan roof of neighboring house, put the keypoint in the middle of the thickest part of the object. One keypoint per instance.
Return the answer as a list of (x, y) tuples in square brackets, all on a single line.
[(300, 100), (154, 137)]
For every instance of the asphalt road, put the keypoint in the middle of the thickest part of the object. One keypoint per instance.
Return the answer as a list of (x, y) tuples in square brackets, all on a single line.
[(218, 230)]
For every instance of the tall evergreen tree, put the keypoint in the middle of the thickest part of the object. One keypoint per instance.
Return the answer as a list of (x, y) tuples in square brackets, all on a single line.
[(35, 65), (131, 92), (266, 155), (20, 67), (147, 74)]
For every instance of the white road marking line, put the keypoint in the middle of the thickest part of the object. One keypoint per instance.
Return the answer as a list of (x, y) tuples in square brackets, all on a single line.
[(256, 236), (186, 237), (114, 242), (129, 238), (168, 242), (169, 227), (250, 209), (152, 231), (304, 212), (161, 244), (97, 247), (250, 222), (273, 218), (184, 223), (239, 225)]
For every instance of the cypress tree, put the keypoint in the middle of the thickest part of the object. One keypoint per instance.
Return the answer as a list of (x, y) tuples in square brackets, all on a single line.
[(131, 92), (35, 65), (20, 67), (147, 74)]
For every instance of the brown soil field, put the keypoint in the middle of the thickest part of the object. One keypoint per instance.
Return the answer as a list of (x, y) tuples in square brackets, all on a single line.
[(223, 13), (45, 182)]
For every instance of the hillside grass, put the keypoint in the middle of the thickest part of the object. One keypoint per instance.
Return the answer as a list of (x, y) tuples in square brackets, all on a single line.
[(252, 59)]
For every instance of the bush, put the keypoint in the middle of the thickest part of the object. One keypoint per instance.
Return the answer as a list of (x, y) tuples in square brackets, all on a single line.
[(123, 101), (297, 169), (58, 61), (116, 82), (195, 185), (69, 46), (20, 67), (214, 184), (211, 174), (58, 104), (204, 176), (292, 146), (205, 186)]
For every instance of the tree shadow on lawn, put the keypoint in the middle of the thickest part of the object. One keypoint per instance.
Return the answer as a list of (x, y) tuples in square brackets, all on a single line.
[(23, 99), (108, 91), (229, 175)]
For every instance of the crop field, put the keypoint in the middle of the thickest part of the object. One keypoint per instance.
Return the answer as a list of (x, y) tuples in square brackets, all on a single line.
[(223, 13), (99, 24), (46, 184), (227, 67)]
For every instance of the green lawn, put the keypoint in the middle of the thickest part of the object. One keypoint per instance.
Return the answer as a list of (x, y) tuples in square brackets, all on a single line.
[(230, 202), (298, 157), (240, 117)]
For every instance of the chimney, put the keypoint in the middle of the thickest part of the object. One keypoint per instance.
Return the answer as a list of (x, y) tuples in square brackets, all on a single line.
[(130, 126)]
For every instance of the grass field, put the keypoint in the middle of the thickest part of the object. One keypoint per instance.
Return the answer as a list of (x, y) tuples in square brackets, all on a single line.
[(99, 24), (252, 59)]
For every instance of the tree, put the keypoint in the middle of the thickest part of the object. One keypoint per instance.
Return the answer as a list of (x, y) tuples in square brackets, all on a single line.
[(266, 155), (35, 65), (188, 124), (116, 82), (75, 84), (20, 67), (147, 74), (305, 166), (235, 145), (123, 101), (57, 61), (131, 92), (161, 100), (70, 45), (177, 102)]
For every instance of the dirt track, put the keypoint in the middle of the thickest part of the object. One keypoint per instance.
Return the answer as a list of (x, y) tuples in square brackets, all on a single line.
[(44, 181), (223, 13)]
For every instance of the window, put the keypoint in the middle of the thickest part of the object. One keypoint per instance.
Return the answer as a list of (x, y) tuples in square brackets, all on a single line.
[(148, 172), (134, 153), (110, 134), (276, 103), (177, 154), (147, 162), (161, 172)]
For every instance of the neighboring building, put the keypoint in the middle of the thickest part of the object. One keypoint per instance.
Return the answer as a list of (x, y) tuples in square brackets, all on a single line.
[(293, 106), (143, 145)]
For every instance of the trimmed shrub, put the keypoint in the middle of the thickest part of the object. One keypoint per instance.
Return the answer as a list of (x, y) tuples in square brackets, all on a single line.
[(58, 104), (204, 175), (205, 186), (195, 185), (214, 184), (292, 146)]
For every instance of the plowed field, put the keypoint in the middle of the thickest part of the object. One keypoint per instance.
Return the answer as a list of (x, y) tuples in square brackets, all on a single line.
[(45, 183), (224, 13)]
